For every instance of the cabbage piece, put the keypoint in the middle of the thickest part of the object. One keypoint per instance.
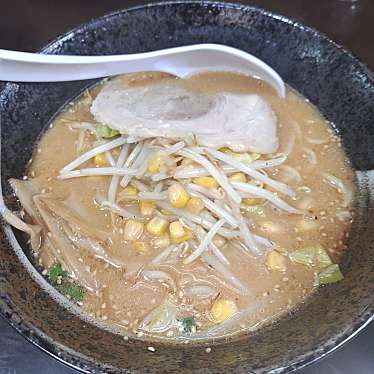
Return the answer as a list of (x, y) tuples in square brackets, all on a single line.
[(160, 319), (105, 131), (311, 256), (331, 274)]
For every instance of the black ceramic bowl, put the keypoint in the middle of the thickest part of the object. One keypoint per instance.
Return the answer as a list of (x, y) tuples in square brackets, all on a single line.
[(340, 86)]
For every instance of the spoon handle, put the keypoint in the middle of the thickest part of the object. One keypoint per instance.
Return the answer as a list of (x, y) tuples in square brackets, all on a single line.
[(179, 61), (33, 67)]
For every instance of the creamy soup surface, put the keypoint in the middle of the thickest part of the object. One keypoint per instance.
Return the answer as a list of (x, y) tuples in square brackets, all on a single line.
[(170, 255)]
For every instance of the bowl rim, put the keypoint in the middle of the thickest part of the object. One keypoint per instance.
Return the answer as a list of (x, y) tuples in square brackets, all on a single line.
[(40, 340)]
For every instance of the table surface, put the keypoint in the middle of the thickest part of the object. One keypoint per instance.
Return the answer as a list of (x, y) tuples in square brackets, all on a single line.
[(29, 24)]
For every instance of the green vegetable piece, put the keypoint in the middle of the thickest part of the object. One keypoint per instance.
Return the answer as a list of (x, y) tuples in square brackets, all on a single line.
[(55, 272), (189, 325), (75, 292), (332, 274), (322, 256), (311, 256), (304, 256), (105, 131), (58, 278)]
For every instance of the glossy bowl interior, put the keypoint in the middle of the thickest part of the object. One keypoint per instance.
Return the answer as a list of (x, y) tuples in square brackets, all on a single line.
[(333, 80)]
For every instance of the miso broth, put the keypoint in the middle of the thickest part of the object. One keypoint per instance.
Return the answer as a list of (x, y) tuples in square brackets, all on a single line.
[(146, 237)]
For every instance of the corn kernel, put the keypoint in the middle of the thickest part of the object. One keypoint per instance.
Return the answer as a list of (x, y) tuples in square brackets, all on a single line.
[(133, 230), (162, 241), (146, 207), (140, 246), (157, 226), (245, 157), (223, 309), (252, 201), (176, 230), (238, 177), (187, 236), (178, 196), (219, 240), (179, 233), (276, 262), (129, 191), (100, 160), (195, 205), (155, 162), (206, 182)]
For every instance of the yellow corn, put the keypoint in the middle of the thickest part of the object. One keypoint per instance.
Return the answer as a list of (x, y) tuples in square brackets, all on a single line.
[(161, 242), (140, 246), (276, 262), (178, 196), (206, 182), (100, 160), (129, 191), (252, 201), (146, 207), (238, 177), (178, 233), (133, 230), (157, 226), (219, 240), (176, 230), (155, 162), (195, 205), (223, 309), (245, 157)]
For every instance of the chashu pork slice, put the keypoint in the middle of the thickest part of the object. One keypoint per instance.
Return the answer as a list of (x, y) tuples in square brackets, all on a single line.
[(242, 122)]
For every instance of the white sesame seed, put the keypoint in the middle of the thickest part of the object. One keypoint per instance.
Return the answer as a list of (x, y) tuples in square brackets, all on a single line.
[(208, 350), (151, 349)]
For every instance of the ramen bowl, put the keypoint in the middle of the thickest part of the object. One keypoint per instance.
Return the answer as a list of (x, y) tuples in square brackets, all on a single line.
[(331, 78)]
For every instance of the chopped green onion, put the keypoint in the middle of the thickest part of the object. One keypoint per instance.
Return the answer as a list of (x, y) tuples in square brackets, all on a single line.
[(311, 256), (105, 131), (55, 272), (188, 325), (73, 290), (332, 274), (59, 279)]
